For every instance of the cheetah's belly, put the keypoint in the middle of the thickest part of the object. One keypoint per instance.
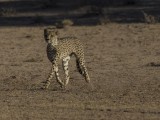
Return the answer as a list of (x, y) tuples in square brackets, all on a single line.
[(65, 50), (64, 54)]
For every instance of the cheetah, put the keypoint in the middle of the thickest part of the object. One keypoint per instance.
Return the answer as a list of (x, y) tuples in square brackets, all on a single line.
[(62, 49)]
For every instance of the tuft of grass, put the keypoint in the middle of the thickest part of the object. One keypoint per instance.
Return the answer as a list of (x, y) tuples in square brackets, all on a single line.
[(7, 12), (104, 20), (64, 23), (150, 19), (67, 22)]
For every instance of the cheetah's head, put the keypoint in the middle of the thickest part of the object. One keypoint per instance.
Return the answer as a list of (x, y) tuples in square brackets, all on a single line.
[(50, 35)]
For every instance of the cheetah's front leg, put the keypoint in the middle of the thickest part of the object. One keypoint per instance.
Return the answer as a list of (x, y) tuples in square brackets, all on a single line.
[(65, 68), (57, 76), (54, 69)]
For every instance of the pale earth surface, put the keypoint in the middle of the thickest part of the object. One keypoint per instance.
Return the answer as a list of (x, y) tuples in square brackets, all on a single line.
[(123, 62)]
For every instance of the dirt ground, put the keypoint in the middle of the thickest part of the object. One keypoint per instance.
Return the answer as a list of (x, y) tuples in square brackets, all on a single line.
[(123, 62)]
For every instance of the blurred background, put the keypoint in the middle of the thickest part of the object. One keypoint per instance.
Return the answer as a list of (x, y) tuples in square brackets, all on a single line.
[(77, 12)]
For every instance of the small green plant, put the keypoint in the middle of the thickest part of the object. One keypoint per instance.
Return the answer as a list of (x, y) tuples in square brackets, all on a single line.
[(67, 22), (7, 11)]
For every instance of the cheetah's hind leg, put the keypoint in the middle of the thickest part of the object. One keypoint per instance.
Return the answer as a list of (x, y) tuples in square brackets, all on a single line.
[(66, 70), (58, 78), (82, 69), (79, 67)]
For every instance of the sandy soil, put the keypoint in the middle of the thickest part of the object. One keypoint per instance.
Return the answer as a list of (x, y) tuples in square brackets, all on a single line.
[(123, 62)]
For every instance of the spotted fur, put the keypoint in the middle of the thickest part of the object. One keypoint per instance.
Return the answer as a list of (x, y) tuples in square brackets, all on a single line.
[(63, 49)]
